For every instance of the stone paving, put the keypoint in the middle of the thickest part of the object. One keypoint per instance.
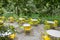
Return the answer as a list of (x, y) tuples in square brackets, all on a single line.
[(35, 35)]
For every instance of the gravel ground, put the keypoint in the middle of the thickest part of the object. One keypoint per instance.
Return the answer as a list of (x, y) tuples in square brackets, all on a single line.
[(35, 34)]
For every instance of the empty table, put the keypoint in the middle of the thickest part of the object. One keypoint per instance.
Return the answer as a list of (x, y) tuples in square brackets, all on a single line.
[(54, 33)]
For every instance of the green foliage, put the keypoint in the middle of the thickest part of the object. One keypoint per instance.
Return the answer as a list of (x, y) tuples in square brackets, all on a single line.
[(27, 7), (35, 15), (4, 30), (45, 9), (7, 15)]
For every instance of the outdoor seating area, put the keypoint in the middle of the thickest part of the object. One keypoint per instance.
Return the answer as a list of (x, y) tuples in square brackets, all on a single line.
[(10, 28), (29, 20)]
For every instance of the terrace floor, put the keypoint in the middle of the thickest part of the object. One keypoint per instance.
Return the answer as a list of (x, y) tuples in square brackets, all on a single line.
[(35, 34)]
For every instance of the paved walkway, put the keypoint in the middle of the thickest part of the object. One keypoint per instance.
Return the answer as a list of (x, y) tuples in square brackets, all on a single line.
[(35, 35)]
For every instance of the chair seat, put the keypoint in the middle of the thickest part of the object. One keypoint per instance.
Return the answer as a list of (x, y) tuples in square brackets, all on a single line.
[(27, 28)]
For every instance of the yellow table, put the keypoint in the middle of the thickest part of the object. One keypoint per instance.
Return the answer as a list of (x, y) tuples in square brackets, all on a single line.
[(50, 24), (21, 20), (27, 28)]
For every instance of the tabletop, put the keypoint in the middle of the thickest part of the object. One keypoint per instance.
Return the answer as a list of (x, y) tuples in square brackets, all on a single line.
[(54, 33), (34, 20), (26, 24), (50, 22)]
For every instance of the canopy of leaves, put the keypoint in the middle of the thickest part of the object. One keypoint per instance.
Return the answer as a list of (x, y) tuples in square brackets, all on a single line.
[(30, 7)]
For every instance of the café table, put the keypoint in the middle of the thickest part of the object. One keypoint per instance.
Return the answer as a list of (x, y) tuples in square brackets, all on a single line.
[(54, 33)]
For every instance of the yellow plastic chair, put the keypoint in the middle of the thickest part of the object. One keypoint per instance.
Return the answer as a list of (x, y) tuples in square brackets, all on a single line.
[(47, 27), (1, 23), (46, 23), (12, 36), (2, 18), (21, 20), (46, 37), (11, 19), (27, 29), (52, 24), (34, 21), (56, 23), (29, 21)]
